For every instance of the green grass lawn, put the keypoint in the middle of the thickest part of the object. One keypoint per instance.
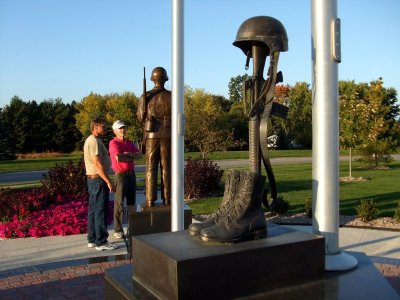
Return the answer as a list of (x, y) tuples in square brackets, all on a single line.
[(35, 164), (294, 183), (47, 163)]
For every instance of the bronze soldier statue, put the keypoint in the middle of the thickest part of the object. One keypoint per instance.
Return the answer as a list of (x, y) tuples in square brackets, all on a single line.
[(154, 112)]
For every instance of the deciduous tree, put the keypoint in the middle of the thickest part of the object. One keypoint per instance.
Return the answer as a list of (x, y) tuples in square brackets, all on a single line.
[(353, 115), (91, 106), (207, 125), (124, 107), (299, 119), (235, 87), (382, 136), (112, 107)]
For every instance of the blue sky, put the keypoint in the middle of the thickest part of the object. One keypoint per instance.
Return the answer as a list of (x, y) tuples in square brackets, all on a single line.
[(69, 48)]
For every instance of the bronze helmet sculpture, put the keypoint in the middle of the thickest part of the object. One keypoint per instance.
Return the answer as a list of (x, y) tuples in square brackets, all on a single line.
[(261, 29), (159, 74)]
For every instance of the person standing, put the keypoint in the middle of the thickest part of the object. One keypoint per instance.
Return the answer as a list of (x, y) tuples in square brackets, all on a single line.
[(97, 164), (122, 153), (154, 111)]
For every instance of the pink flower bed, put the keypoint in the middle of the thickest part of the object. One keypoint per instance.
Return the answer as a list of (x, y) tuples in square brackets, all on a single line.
[(67, 216)]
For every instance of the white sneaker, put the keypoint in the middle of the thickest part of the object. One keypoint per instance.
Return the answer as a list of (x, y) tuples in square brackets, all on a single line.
[(118, 235), (106, 246), (91, 245)]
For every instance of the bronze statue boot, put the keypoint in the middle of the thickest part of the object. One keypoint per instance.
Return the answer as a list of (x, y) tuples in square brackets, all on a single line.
[(231, 187), (245, 218)]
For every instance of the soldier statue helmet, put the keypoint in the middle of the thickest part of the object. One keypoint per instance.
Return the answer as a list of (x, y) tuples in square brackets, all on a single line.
[(159, 74)]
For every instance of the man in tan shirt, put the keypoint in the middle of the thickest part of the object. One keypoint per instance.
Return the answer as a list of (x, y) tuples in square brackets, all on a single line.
[(98, 165)]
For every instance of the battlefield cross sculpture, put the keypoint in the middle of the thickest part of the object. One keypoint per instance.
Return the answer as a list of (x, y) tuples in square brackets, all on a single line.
[(240, 215)]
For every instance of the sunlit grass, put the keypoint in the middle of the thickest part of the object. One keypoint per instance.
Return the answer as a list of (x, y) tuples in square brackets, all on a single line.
[(294, 183)]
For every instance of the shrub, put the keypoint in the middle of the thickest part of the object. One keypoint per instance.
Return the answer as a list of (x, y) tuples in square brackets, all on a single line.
[(308, 206), (397, 212), (374, 153), (366, 210), (202, 178), (280, 207), (66, 180), (21, 203)]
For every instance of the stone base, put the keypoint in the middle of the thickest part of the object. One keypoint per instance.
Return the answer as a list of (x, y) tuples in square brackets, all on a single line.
[(175, 265), (120, 286), (155, 219), (364, 282)]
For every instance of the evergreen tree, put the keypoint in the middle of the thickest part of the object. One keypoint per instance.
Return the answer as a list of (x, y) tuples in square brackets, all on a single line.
[(16, 116), (7, 151)]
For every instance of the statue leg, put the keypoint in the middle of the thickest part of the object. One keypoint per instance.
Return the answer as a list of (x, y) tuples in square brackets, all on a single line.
[(165, 153), (152, 161)]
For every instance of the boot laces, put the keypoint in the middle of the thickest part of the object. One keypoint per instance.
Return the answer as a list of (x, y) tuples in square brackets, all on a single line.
[(237, 211), (222, 209)]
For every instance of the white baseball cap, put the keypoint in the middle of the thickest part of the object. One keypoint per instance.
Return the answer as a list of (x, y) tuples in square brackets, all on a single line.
[(118, 124)]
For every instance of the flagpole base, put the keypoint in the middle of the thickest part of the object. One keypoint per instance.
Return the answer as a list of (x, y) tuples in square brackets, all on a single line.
[(340, 262)]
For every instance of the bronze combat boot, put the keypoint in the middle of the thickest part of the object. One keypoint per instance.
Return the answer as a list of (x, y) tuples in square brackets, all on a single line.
[(244, 220), (231, 186)]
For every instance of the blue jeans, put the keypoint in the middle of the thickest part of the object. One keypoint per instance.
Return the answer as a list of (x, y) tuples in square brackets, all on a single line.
[(97, 211)]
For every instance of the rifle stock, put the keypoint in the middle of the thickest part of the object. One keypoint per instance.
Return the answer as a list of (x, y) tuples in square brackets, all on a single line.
[(144, 110)]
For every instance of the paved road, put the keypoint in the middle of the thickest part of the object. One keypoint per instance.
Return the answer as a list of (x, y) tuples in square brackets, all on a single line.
[(13, 177), (29, 176)]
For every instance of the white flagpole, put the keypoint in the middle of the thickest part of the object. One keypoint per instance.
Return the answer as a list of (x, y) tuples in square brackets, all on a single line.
[(177, 118), (325, 98)]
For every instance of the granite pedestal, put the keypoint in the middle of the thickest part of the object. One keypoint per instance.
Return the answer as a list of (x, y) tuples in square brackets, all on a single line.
[(175, 265), (365, 282), (147, 220)]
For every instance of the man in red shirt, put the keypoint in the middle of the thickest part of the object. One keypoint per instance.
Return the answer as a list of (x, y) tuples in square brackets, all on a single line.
[(123, 152)]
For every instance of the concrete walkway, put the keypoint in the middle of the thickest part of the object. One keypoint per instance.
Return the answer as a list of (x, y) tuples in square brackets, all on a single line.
[(18, 253), (381, 246), (63, 266), (60, 267)]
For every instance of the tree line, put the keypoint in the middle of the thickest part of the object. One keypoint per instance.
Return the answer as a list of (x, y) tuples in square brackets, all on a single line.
[(369, 119), (27, 127)]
